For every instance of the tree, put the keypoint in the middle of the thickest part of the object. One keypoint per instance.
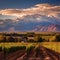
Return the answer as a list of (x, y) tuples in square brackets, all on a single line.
[(58, 38), (40, 39)]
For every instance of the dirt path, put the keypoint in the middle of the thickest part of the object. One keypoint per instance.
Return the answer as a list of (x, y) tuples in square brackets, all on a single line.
[(41, 53)]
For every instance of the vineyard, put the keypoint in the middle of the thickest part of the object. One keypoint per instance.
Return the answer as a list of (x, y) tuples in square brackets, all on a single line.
[(30, 51)]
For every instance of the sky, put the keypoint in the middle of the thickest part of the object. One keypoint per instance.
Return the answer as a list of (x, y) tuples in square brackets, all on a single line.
[(29, 15), (25, 3)]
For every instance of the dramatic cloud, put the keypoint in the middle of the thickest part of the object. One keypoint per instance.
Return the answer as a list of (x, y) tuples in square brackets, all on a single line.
[(27, 19), (41, 9)]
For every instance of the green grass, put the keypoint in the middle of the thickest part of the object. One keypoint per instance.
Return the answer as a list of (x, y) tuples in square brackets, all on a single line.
[(51, 45)]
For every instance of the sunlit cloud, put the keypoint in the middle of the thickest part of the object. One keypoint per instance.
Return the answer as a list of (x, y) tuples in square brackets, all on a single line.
[(27, 19), (41, 9)]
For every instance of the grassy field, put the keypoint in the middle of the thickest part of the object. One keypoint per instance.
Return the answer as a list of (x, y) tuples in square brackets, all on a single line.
[(51, 45)]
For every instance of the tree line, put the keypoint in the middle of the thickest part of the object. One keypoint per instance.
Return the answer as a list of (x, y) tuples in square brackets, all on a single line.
[(25, 39)]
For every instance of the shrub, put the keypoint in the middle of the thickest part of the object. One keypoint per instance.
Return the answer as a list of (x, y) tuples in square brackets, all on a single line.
[(29, 49), (0, 48), (13, 49)]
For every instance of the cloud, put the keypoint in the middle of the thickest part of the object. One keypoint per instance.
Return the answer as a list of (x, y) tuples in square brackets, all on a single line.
[(26, 19), (41, 9)]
